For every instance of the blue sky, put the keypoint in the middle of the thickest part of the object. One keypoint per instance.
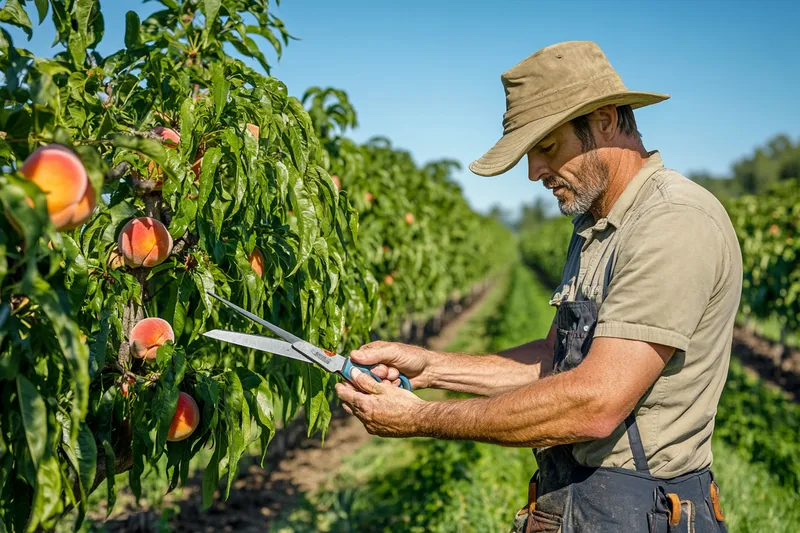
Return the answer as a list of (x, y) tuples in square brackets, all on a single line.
[(426, 73)]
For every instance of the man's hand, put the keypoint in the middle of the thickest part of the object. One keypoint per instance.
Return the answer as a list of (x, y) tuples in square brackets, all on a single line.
[(385, 410), (393, 358)]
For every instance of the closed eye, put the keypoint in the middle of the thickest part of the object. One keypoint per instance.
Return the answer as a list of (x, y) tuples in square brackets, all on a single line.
[(547, 149)]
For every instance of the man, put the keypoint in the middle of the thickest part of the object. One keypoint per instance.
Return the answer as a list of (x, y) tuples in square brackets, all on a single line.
[(619, 399)]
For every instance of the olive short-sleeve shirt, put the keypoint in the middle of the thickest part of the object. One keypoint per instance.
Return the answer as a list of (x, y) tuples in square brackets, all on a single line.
[(676, 280)]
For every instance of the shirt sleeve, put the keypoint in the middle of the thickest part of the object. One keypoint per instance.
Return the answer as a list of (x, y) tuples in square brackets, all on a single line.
[(668, 265)]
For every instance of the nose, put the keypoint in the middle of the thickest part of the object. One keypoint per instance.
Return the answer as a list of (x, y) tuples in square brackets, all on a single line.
[(537, 168)]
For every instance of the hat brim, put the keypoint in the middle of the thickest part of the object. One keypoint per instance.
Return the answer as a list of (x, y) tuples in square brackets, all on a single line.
[(511, 147)]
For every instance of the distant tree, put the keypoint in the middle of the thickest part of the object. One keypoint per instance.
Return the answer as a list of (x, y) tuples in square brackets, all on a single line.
[(778, 160)]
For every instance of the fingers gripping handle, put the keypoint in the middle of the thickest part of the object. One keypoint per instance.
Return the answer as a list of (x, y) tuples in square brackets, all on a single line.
[(349, 366)]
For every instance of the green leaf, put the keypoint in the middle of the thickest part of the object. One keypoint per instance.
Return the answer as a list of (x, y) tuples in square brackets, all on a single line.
[(219, 87), (111, 473), (132, 29), (79, 40), (315, 397), (97, 348), (211, 476), (238, 417), (172, 363), (41, 7), (34, 418), (86, 452), (208, 174), (13, 13), (48, 491), (210, 9)]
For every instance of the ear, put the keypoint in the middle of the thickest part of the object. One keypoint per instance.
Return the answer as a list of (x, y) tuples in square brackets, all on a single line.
[(605, 121)]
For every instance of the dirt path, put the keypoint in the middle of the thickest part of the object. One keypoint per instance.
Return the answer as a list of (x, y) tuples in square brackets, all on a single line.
[(763, 358), (450, 331)]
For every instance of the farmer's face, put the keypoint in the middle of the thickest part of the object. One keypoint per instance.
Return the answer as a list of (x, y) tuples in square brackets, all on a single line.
[(578, 178)]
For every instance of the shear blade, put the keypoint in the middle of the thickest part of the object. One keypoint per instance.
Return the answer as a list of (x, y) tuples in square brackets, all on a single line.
[(257, 342)]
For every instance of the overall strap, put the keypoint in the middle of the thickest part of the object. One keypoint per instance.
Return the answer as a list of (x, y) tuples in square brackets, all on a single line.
[(634, 437)]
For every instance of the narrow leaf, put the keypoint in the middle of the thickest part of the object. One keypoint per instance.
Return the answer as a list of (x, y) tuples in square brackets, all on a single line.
[(34, 418)]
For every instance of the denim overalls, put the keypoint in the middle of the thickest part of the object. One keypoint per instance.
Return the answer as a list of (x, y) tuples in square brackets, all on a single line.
[(567, 497)]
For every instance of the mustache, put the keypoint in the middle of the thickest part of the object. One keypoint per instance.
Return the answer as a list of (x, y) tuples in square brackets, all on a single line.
[(551, 182)]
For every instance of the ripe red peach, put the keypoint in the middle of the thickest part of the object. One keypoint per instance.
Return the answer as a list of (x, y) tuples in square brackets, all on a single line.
[(185, 420), (61, 175), (257, 262), (409, 218), (147, 335), (144, 242)]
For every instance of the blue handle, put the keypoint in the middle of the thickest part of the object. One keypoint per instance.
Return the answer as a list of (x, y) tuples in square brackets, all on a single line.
[(349, 366)]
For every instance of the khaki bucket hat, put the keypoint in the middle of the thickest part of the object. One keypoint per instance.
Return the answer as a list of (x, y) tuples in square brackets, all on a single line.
[(550, 88)]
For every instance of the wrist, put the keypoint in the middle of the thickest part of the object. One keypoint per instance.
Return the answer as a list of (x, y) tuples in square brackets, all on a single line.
[(435, 362)]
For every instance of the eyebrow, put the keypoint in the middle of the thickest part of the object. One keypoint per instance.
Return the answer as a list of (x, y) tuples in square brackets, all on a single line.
[(543, 142)]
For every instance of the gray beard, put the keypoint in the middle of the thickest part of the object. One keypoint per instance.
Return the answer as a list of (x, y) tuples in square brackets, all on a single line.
[(594, 176)]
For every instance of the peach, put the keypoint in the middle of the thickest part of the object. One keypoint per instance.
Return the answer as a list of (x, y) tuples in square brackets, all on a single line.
[(253, 129), (147, 335), (257, 262), (368, 197), (115, 259), (62, 177), (185, 420), (409, 218), (337, 182), (144, 242), (388, 280), (169, 137)]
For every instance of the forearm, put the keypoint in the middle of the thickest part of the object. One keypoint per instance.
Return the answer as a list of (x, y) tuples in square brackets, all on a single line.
[(489, 375), (557, 410)]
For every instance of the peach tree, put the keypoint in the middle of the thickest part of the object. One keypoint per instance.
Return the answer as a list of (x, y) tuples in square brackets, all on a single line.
[(132, 184)]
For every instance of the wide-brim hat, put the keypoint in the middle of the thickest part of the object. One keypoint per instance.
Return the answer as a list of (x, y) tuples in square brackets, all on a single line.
[(550, 88)]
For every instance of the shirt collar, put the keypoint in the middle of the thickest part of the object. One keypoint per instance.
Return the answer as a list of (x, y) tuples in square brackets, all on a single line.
[(585, 222)]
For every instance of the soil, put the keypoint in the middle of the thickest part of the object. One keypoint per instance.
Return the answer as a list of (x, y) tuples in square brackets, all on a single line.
[(771, 361)]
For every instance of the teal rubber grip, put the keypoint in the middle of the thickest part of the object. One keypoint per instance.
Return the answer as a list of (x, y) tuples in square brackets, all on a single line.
[(349, 366)]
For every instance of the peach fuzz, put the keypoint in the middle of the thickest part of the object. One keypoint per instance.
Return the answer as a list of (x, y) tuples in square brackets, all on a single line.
[(185, 420), (147, 335), (144, 242), (83, 211), (62, 177), (257, 262)]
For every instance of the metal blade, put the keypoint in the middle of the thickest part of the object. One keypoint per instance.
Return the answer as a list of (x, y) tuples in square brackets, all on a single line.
[(285, 335), (257, 342)]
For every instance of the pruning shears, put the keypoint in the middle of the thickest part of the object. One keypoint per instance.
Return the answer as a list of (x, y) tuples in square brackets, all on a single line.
[(291, 346)]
